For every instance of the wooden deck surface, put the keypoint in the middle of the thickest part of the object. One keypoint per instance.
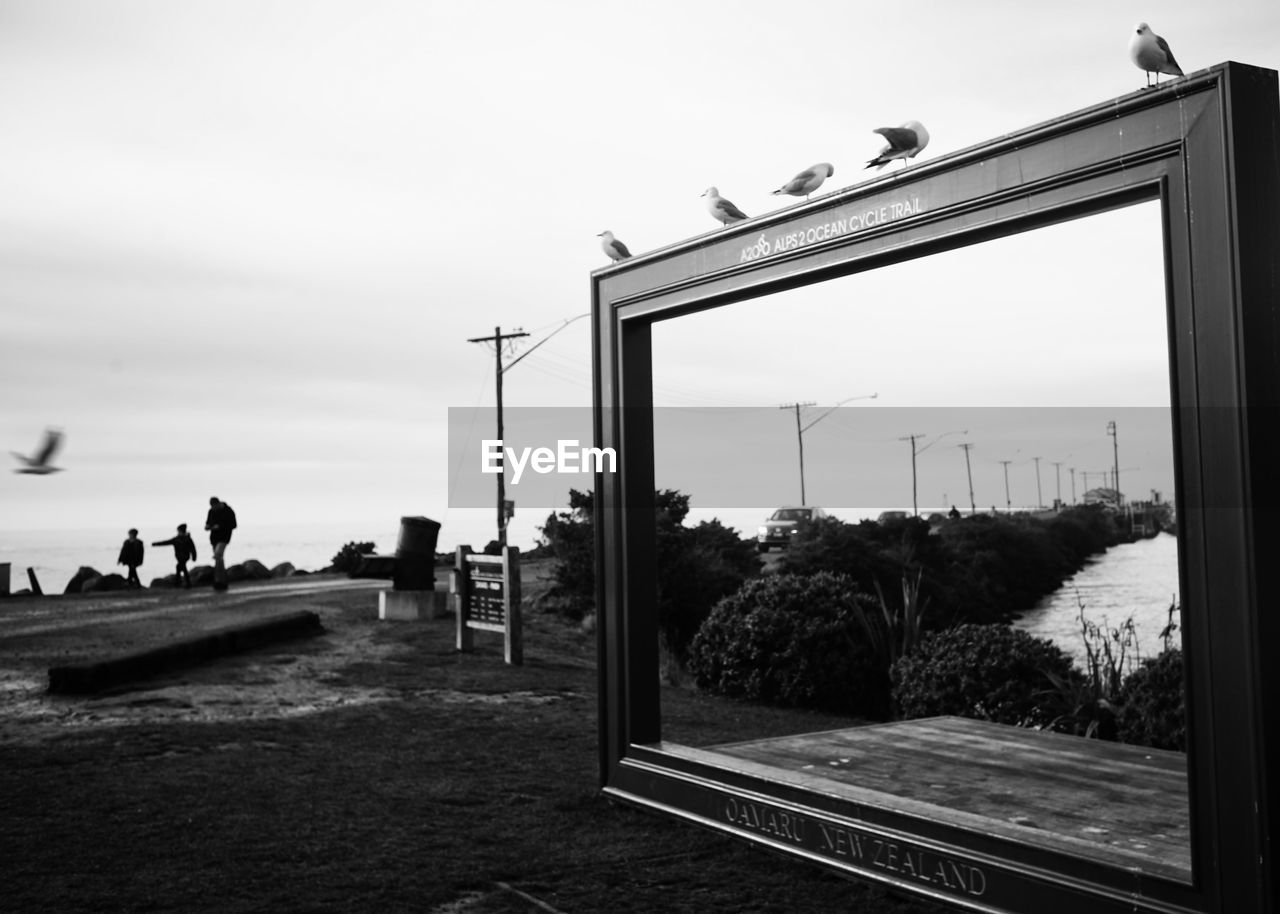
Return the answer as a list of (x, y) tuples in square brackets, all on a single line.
[(1121, 805)]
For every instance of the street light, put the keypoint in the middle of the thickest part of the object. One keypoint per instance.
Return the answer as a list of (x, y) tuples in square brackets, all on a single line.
[(800, 430), (915, 507)]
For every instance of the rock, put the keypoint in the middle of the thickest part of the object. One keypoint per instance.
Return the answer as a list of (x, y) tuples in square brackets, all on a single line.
[(169, 580), (104, 583), (284, 570), (201, 575), (253, 570), (78, 579)]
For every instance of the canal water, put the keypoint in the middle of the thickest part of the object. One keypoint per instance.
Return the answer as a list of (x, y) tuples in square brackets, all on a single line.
[(1137, 580)]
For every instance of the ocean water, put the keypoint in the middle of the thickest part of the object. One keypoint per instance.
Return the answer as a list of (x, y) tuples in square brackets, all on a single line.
[(1137, 580), (56, 555)]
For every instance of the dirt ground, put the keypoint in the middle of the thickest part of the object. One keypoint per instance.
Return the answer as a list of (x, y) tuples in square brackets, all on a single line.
[(371, 767), (290, 680)]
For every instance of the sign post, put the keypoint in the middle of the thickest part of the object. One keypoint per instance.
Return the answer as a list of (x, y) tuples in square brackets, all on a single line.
[(486, 592)]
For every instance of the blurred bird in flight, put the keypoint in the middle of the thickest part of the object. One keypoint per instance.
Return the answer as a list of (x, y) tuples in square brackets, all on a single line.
[(39, 463)]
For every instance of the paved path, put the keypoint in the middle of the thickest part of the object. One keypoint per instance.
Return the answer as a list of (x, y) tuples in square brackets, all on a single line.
[(30, 615)]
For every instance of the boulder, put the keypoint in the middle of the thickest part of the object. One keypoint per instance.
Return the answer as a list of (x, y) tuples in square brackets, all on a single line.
[(78, 579), (169, 580), (284, 570), (201, 575), (253, 570), (104, 583)]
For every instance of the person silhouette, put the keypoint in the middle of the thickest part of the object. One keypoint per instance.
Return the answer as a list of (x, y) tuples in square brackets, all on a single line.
[(131, 557), (220, 521), (184, 550)]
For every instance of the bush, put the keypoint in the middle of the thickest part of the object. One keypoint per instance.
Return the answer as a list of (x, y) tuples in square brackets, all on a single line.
[(698, 566), (695, 566), (985, 672), (351, 556), (792, 640), (982, 568), (1152, 708)]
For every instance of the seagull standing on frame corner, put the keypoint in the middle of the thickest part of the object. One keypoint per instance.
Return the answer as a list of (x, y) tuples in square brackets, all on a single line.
[(1150, 53), (613, 247)]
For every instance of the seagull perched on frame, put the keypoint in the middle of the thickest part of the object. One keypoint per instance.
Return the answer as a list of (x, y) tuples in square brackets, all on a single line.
[(1150, 52), (903, 142), (807, 181), (721, 208), (38, 464), (613, 247)]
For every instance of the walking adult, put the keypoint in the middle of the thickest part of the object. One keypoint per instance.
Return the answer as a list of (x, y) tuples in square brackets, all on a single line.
[(220, 521), (184, 550), (131, 557)]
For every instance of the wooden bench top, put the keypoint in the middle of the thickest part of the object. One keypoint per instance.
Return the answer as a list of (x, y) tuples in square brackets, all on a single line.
[(1117, 804)]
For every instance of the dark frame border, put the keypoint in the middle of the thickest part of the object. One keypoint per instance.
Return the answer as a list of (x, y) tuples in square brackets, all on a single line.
[(1208, 147)]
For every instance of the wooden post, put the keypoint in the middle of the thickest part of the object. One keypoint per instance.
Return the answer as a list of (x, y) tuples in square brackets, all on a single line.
[(461, 587), (513, 636)]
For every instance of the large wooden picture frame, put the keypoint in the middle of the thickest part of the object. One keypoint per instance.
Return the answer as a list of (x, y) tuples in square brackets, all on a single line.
[(1207, 147)]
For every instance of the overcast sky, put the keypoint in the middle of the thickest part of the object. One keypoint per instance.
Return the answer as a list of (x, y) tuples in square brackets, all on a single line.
[(243, 244)]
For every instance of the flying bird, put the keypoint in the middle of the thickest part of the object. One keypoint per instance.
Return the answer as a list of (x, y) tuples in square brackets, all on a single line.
[(1151, 53), (38, 464), (613, 247), (721, 208), (903, 142), (807, 181)]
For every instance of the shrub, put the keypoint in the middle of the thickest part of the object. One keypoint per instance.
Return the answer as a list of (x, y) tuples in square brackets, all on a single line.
[(986, 672), (698, 566), (695, 566), (351, 556), (982, 568), (1152, 709), (792, 640)]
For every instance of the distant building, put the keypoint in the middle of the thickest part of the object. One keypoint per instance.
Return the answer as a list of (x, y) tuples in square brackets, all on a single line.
[(1103, 496)]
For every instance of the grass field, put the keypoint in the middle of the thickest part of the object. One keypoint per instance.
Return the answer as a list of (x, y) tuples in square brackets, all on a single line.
[(370, 769)]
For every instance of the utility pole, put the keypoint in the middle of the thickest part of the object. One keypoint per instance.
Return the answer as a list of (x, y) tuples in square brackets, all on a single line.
[(1039, 494), (800, 430), (496, 339), (1115, 453), (1057, 472), (915, 507), (1008, 503), (973, 506), (1073, 484), (800, 438)]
